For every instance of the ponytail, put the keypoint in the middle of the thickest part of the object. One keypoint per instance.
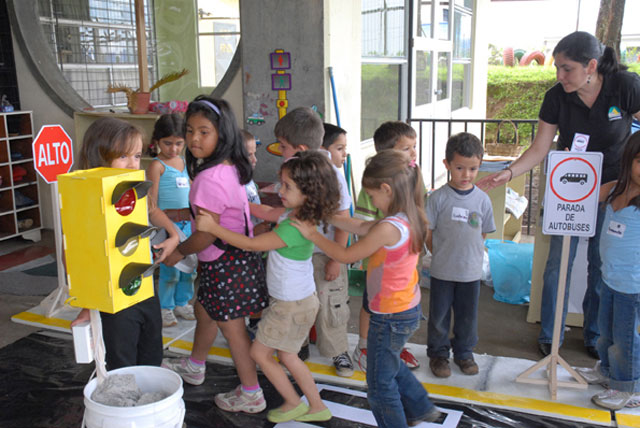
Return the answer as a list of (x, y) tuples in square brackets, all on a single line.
[(608, 62)]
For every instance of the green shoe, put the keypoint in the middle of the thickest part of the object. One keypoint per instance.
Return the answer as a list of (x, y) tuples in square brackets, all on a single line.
[(321, 416), (276, 415)]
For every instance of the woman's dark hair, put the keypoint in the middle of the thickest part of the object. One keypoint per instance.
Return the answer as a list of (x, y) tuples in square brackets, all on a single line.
[(107, 139), (230, 146), (631, 152), (582, 47), (167, 125), (315, 177)]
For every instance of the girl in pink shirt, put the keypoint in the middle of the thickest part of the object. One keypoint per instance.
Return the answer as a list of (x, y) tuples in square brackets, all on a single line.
[(232, 281)]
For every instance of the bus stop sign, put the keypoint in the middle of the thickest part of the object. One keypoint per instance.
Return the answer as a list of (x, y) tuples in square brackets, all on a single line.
[(571, 194)]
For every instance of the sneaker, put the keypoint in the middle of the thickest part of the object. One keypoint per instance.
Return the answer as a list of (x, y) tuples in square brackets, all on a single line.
[(303, 353), (409, 359), (360, 357), (185, 312), (433, 415), (467, 366), (616, 400), (593, 376), (440, 366), (168, 318), (252, 328), (190, 373), (239, 400), (343, 365)]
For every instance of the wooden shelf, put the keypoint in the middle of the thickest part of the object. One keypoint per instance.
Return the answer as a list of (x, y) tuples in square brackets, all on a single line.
[(19, 178)]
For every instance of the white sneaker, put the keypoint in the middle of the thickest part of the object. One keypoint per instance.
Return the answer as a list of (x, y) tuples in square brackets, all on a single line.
[(168, 318), (185, 312), (190, 373), (593, 376), (240, 401), (360, 358), (616, 400)]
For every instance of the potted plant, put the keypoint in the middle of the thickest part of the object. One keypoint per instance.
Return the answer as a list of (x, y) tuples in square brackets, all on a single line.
[(138, 101)]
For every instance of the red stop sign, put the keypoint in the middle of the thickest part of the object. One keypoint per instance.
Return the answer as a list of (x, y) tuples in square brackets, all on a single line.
[(52, 152)]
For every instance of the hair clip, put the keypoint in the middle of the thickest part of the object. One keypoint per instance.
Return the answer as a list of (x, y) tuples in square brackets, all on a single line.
[(412, 163)]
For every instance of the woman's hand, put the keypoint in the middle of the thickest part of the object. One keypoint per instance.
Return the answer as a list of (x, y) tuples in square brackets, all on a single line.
[(206, 223), (494, 180), (306, 228)]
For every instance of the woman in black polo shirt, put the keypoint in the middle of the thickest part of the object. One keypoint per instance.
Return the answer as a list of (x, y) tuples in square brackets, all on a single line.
[(594, 101)]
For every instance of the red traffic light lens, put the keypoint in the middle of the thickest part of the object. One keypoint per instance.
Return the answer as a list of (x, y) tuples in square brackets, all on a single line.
[(127, 203)]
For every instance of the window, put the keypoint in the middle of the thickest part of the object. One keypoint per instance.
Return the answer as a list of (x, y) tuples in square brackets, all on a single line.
[(461, 73), (218, 37), (94, 45), (383, 64)]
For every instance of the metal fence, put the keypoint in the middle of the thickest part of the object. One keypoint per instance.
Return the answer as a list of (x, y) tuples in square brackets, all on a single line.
[(433, 135)]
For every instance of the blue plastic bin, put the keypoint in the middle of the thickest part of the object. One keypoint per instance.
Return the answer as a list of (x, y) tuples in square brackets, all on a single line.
[(511, 264)]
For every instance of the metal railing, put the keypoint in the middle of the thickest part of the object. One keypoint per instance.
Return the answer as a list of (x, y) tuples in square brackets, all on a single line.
[(435, 132)]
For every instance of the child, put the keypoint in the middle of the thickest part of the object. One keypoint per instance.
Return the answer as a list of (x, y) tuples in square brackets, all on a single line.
[(393, 245), (232, 283), (299, 130), (259, 227), (309, 192), (618, 314), (335, 142), (460, 216), (170, 191), (251, 188), (390, 135), (132, 336)]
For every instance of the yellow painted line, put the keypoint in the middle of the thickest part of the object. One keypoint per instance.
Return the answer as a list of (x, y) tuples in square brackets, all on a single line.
[(627, 420), (458, 393), (41, 319), (513, 402)]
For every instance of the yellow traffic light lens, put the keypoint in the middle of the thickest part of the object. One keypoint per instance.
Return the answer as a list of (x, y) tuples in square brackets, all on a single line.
[(127, 203), (133, 287)]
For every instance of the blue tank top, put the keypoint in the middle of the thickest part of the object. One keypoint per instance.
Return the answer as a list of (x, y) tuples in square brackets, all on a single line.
[(173, 190)]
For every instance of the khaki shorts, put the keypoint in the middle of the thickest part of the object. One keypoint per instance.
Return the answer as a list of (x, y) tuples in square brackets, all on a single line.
[(285, 324)]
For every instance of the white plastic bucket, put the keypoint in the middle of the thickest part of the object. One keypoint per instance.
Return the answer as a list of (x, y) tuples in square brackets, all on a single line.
[(166, 413)]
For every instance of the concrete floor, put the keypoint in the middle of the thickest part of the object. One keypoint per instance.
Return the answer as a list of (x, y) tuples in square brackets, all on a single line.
[(503, 329)]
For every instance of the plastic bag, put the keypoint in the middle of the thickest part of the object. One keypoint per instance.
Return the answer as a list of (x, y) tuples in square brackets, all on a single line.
[(511, 266), (514, 203)]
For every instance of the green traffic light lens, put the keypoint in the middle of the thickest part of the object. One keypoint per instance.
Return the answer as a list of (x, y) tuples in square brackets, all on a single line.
[(133, 287)]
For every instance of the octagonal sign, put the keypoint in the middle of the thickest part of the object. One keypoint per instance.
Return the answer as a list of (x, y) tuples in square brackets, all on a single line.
[(52, 152)]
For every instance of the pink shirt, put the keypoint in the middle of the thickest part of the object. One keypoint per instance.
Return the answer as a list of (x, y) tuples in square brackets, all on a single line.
[(218, 189)]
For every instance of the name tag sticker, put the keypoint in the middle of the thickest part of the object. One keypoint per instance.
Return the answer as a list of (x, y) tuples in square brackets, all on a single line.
[(460, 214), (182, 182), (616, 229), (580, 142)]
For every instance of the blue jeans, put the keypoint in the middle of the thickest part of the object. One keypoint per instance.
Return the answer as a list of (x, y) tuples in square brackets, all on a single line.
[(590, 301), (463, 298), (395, 395), (175, 288), (619, 342)]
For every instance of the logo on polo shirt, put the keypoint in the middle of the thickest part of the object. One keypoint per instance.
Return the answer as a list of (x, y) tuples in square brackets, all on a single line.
[(614, 113)]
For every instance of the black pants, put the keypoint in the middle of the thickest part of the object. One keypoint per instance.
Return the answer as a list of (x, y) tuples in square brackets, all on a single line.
[(133, 336)]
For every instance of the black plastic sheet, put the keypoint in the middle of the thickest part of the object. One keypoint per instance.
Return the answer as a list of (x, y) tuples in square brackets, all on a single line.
[(41, 387)]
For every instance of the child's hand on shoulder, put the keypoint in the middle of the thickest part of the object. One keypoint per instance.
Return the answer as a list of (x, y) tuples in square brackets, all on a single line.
[(206, 223), (306, 228)]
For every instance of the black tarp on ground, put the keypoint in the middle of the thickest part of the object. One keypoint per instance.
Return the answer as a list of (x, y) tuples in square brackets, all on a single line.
[(41, 387)]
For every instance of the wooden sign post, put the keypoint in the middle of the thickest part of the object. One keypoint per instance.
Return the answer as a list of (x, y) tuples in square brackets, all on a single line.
[(570, 209)]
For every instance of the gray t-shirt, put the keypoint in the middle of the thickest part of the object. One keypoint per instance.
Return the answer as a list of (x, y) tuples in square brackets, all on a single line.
[(458, 222)]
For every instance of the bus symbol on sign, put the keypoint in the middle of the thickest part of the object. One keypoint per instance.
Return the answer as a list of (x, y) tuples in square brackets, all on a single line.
[(574, 177)]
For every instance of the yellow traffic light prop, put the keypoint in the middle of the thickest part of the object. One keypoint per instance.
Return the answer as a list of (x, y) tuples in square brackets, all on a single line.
[(106, 231)]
